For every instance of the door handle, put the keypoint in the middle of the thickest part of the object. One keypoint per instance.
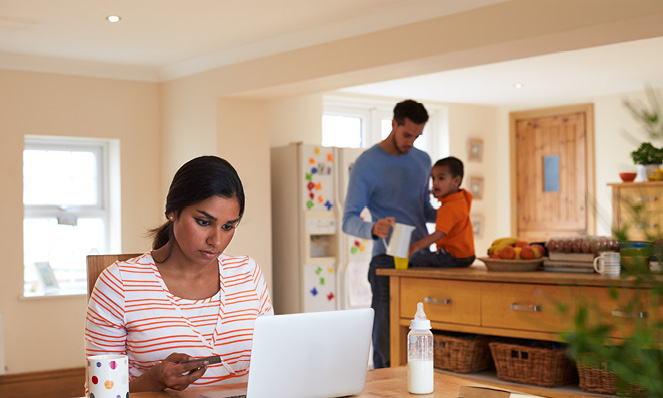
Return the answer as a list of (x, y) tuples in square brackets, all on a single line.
[(622, 314), (432, 300), (518, 307)]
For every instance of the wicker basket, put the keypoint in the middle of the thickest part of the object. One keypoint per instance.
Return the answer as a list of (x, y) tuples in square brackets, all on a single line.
[(548, 367), (596, 377), (462, 354)]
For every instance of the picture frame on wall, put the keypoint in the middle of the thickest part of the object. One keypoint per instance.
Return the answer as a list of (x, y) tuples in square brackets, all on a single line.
[(477, 226), (475, 150), (476, 187), (47, 277)]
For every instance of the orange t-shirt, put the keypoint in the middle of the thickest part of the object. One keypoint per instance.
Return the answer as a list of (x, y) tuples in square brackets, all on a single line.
[(453, 218)]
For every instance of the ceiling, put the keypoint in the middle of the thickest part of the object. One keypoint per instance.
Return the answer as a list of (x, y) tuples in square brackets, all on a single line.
[(165, 39)]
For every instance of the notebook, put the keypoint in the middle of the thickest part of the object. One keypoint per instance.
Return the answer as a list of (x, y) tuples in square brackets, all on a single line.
[(308, 355)]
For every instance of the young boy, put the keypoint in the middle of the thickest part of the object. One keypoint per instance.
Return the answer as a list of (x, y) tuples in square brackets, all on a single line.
[(453, 230)]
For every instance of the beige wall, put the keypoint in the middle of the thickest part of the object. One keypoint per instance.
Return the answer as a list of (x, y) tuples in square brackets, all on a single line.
[(43, 104), (244, 141), (477, 122)]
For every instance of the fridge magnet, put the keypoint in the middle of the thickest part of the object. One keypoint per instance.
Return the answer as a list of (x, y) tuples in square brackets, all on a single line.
[(314, 291), (477, 226), (476, 150), (47, 277), (330, 296), (476, 187)]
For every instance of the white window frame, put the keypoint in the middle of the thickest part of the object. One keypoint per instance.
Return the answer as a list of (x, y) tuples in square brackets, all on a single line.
[(102, 209), (372, 111), (352, 111)]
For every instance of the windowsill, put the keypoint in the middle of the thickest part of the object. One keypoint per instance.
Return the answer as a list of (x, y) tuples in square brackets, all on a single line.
[(59, 293)]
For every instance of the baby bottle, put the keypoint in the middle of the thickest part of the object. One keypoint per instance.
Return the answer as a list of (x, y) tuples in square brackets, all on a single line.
[(420, 354)]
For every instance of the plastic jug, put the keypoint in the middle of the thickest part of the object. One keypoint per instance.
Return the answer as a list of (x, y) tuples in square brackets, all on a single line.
[(399, 243)]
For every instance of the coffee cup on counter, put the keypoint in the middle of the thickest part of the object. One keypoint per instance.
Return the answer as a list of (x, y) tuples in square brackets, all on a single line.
[(608, 264), (108, 376)]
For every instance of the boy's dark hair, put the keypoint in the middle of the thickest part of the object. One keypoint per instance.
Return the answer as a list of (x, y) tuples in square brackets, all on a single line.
[(412, 110), (454, 165)]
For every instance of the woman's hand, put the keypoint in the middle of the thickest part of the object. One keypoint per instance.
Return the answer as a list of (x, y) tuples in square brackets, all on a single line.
[(170, 373)]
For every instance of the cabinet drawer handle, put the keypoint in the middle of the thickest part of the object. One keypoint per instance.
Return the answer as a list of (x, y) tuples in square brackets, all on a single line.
[(622, 314), (647, 199), (518, 307), (643, 225), (431, 300)]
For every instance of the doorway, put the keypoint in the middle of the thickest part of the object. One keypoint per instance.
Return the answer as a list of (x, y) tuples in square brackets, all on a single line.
[(552, 172)]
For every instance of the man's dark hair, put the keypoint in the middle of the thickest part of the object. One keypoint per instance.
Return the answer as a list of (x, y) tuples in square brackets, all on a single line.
[(454, 165), (412, 110)]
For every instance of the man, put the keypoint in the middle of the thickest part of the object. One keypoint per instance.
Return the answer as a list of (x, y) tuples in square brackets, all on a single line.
[(391, 179)]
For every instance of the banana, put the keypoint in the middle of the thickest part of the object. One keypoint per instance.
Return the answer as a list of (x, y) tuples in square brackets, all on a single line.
[(498, 244)]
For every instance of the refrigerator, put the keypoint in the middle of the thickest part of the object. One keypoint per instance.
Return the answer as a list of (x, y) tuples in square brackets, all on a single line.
[(316, 267)]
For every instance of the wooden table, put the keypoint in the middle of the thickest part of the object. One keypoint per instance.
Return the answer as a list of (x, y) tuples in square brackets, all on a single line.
[(380, 383)]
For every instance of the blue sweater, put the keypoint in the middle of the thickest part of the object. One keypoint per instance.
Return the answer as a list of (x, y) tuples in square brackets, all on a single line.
[(390, 186)]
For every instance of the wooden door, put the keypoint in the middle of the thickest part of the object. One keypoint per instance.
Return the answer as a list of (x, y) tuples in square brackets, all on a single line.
[(552, 172)]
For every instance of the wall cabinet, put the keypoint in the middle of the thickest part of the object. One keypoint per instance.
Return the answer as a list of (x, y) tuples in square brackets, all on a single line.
[(638, 207)]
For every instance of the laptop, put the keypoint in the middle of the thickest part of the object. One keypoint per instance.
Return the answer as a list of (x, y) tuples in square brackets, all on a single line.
[(308, 355)]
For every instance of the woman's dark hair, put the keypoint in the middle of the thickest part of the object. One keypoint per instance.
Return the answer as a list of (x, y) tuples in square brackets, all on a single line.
[(198, 179)]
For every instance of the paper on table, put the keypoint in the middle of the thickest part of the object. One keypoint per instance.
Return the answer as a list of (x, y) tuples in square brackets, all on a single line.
[(487, 392)]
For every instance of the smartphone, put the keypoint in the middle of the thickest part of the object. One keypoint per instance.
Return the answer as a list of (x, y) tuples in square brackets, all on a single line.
[(211, 360)]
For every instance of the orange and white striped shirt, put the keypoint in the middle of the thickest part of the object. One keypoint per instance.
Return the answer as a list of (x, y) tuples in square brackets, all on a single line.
[(132, 312)]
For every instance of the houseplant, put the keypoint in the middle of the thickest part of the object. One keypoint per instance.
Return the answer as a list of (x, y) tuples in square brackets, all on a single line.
[(648, 159)]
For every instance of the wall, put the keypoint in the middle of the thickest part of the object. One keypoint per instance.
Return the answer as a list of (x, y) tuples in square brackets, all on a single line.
[(477, 122), (44, 104), (243, 140)]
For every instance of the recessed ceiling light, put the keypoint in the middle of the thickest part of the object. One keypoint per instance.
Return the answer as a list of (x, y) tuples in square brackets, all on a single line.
[(518, 85), (113, 18)]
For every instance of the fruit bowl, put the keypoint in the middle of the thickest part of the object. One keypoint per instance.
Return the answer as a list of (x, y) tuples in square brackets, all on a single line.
[(627, 177), (496, 264)]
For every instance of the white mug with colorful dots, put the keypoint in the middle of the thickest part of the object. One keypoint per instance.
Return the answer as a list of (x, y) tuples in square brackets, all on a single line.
[(108, 376)]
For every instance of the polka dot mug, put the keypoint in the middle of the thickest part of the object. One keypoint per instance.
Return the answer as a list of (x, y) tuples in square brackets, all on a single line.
[(108, 376)]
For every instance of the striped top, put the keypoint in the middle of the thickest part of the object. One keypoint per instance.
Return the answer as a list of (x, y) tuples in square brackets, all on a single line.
[(132, 312)]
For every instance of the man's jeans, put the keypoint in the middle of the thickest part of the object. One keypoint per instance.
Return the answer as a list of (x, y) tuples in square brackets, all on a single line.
[(380, 304)]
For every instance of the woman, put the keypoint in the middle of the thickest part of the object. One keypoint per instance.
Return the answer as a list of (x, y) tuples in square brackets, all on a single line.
[(185, 299)]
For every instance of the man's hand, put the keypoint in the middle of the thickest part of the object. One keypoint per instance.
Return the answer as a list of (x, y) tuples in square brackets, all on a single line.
[(381, 227)]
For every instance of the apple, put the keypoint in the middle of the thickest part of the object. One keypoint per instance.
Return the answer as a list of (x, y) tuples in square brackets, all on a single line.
[(494, 255), (507, 253), (539, 251), (522, 243), (527, 253)]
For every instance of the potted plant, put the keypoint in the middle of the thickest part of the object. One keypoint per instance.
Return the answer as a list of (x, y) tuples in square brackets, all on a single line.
[(648, 159)]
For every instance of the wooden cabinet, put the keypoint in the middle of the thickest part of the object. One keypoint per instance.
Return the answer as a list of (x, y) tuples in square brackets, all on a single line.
[(454, 301), (638, 207), (526, 307), (533, 305)]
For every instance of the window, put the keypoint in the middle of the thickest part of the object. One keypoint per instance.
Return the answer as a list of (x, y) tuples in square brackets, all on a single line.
[(352, 123), (66, 209), (345, 127)]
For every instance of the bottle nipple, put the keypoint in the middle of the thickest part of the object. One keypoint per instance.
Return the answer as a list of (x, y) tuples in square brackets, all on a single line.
[(420, 321)]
